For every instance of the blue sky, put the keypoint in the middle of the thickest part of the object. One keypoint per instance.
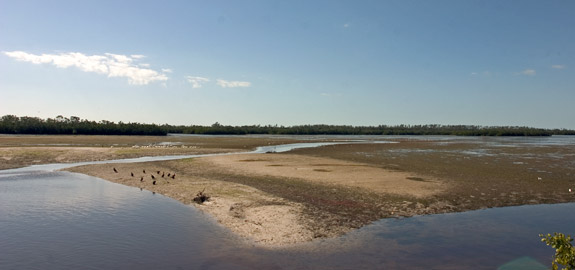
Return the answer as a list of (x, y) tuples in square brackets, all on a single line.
[(291, 62)]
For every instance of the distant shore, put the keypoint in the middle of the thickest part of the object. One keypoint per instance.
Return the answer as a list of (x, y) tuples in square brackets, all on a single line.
[(12, 124)]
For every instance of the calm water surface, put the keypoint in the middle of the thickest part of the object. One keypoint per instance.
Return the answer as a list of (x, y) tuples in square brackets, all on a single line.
[(61, 220)]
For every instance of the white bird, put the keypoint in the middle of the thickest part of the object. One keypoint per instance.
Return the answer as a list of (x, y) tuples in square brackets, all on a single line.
[(539, 178), (569, 190)]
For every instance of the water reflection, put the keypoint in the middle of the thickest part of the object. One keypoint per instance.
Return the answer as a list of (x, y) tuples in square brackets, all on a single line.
[(69, 221)]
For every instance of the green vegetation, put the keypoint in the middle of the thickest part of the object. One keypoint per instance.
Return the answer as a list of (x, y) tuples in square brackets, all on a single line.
[(564, 250), (458, 130), (11, 124)]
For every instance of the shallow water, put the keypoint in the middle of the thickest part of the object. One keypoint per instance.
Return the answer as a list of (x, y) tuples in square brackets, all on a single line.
[(62, 220)]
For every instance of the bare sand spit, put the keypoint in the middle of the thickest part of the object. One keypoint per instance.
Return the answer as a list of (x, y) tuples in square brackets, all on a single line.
[(264, 218), (331, 172)]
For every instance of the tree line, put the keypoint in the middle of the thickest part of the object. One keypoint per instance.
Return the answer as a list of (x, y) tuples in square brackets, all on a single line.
[(458, 130), (11, 124)]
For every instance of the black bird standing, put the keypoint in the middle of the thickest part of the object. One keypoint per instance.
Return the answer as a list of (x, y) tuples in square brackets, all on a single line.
[(163, 175), (116, 171), (153, 183), (174, 176), (142, 179), (132, 174), (144, 171), (153, 177)]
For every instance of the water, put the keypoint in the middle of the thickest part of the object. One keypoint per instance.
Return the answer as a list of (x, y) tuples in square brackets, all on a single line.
[(62, 220)]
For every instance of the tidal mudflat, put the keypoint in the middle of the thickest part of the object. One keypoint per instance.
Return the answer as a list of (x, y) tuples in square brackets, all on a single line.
[(278, 199)]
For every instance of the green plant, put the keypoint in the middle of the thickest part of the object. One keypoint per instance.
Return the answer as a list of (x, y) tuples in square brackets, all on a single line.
[(564, 250)]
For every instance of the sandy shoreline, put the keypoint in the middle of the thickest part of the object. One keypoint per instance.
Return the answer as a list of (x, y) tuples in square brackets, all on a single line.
[(260, 217), (248, 212)]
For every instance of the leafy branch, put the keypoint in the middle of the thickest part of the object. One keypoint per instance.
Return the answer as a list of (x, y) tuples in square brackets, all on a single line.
[(564, 250)]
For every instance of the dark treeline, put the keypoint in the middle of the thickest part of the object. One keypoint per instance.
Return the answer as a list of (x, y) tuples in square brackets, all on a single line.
[(458, 130), (10, 124)]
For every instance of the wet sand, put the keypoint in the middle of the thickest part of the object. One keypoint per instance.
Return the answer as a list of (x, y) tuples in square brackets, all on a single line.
[(25, 150)]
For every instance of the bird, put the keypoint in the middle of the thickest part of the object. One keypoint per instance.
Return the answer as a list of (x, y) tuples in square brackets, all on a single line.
[(539, 178), (142, 179), (132, 174), (153, 183), (116, 171), (169, 174), (158, 172), (174, 176), (144, 171), (153, 177), (163, 175)]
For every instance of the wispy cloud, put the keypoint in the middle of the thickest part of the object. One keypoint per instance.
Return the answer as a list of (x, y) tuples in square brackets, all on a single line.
[(484, 73), (197, 81), (232, 84), (558, 66), (112, 65), (528, 72), (346, 25)]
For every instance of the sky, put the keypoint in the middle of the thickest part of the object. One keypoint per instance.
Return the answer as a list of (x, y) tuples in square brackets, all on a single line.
[(272, 62)]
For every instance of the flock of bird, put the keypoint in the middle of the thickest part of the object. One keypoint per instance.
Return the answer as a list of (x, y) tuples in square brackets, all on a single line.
[(154, 181)]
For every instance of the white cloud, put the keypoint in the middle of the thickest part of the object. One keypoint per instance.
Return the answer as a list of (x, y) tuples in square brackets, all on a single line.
[(558, 66), (528, 72), (346, 25), (167, 70), (232, 84), (197, 81), (112, 65), (484, 73)]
